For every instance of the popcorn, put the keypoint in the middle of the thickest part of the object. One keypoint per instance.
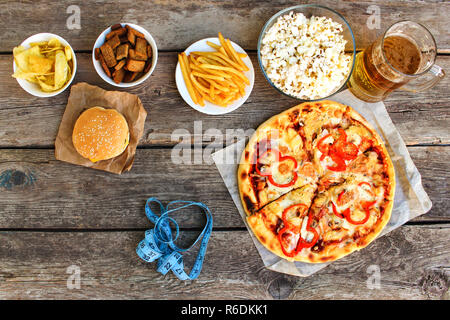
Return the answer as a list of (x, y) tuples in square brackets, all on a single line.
[(305, 57)]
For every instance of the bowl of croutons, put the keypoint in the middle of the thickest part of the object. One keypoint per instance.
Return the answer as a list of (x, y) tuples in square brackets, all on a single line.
[(125, 55)]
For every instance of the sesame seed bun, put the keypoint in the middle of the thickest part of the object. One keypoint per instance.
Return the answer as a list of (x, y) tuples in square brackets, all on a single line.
[(100, 134)]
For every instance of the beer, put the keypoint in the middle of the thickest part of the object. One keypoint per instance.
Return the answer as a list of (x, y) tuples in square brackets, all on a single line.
[(372, 79), (403, 53)]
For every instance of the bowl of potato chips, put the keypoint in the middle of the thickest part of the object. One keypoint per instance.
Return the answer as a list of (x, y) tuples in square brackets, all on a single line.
[(44, 64)]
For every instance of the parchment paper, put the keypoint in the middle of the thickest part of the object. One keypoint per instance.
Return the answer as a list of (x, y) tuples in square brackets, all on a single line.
[(84, 96), (410, 199)]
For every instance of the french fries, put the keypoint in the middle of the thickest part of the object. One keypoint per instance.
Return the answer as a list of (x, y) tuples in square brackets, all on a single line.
[(215, 76)]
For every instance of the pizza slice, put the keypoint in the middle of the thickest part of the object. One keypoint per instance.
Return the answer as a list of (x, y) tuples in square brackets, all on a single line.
[(348, 217), (283, 225), (273, 163)]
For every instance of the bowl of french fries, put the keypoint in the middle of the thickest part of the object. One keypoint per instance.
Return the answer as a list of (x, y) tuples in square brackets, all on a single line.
[(44, 64), (214, 75)]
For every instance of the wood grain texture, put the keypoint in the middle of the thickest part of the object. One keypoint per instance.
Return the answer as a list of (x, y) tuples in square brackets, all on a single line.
[(413, 261), (176, 24), (29, 121), (45, 193), (54, 215)]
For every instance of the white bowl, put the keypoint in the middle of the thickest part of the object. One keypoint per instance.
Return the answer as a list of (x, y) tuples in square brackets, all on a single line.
[(209, 107), (34, 88), (98, 67)]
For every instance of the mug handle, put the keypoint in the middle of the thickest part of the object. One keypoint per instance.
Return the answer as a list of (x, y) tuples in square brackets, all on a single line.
[(438, 74)]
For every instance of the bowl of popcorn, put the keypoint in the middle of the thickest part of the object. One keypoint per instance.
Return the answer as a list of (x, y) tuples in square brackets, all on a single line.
[(307, 52)]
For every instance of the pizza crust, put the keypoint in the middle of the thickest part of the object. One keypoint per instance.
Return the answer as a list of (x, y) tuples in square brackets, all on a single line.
[(314, 115)]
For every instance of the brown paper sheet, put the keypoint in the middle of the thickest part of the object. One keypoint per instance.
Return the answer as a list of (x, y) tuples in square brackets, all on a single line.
[(84, 96)]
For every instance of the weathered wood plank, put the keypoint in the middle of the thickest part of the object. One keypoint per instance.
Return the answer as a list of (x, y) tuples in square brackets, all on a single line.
[(44, 193), (29, 121), (413, 262), (176, 24)]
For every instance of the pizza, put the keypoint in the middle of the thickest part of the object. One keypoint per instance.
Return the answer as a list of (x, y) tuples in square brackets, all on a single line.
[(316, 182)]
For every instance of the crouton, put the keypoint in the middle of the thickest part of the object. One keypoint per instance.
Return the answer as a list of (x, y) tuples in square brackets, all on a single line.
[(122, 51), (148, 65), (118, 75), (104, 66), (136, 55), (114, 42), (108, 54), (149, 52), (130, 76), (116, 26), (136, 33), (131, 37), (120, 64), (135, 65), (119, 32), (97, 53), (141, 47), (123, 39)]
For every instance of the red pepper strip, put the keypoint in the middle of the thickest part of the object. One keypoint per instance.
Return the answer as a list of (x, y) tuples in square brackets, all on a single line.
[(336, 213), (366, 205), (368, 184), (349, 218), (290, 183), (339, 199), (302, 243), (291, 253), (323, 147), (346, 213), (285, 211), (280, 158)]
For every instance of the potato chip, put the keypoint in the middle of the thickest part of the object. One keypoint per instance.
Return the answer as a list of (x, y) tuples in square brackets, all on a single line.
[(69, 71), (22, 57), (47, 79), (61, 69), (44, 86), (51, 55), (18, 50), (44, 63), (40, 43), (39, 64), (54, 43), (68, 53), (29, 76)]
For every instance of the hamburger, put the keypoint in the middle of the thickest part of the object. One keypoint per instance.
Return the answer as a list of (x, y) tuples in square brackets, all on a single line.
[(100, 134)]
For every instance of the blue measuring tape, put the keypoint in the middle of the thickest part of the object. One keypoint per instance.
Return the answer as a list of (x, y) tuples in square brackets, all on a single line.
[(159, 244)]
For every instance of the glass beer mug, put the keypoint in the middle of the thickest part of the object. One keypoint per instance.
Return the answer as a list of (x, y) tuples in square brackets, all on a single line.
[(405, 52)]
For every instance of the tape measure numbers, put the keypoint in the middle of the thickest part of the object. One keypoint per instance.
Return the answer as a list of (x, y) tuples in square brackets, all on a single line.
[(159, 243)]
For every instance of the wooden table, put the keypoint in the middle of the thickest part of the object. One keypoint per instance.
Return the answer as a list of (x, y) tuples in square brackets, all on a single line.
[(54, 215)]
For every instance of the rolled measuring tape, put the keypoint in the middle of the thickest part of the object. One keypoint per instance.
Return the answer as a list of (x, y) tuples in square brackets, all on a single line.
[(159, 243)]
